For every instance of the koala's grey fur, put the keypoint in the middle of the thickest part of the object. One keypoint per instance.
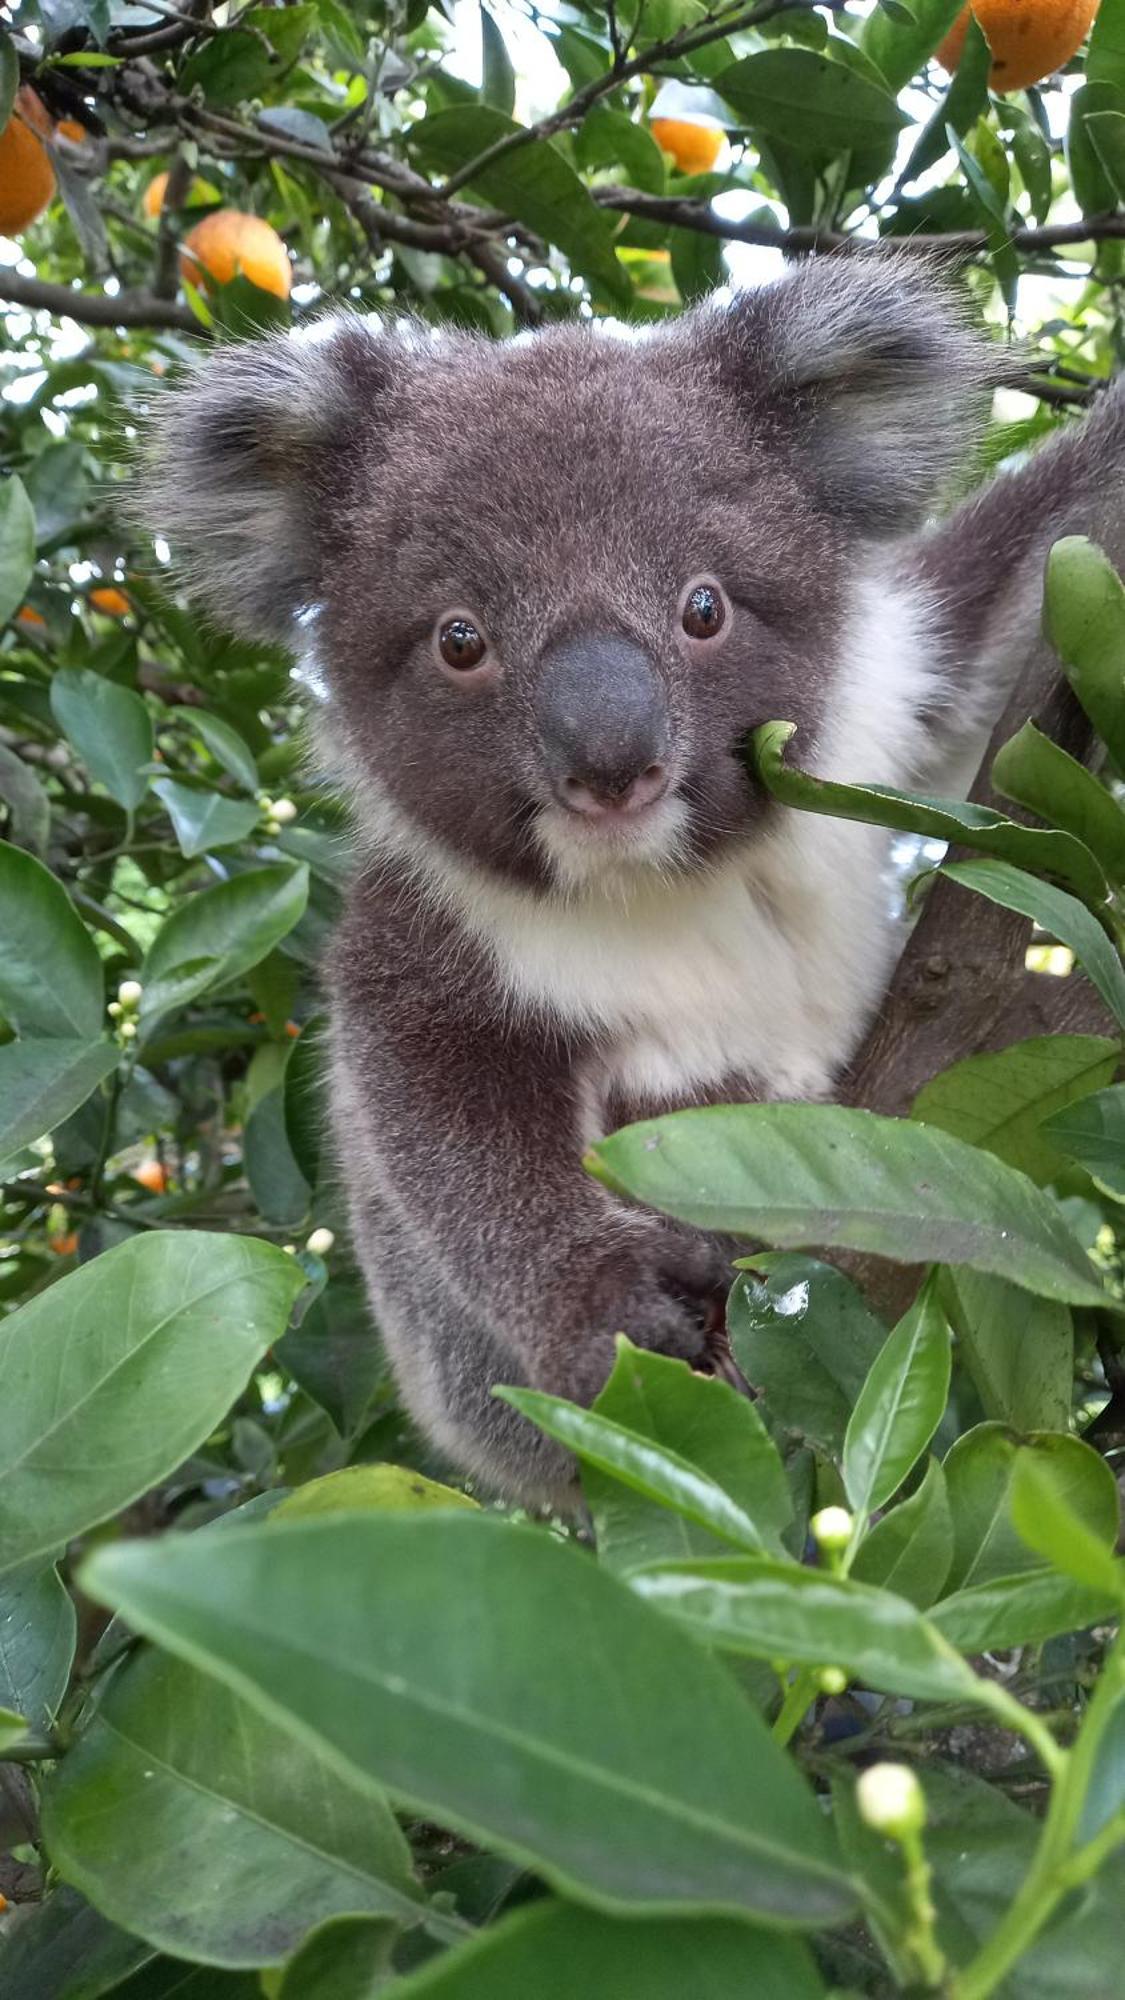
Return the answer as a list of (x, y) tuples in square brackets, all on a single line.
[(511, 980)]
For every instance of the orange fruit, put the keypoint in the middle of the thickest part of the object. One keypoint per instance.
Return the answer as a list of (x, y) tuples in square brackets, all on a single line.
[(71, 129), (228, 244), (27, 178), (1029, 39), (28, 615), (112, 601), (694, 147), (152, 1176), (65, 1246)]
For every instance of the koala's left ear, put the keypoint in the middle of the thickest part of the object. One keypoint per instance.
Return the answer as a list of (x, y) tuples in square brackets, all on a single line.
[(866, 367), (246, 466)]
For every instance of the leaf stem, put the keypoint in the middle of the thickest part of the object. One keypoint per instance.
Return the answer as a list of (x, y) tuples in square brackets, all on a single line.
[(800, 1695)]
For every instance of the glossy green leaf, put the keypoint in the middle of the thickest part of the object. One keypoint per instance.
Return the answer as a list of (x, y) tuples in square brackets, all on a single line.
[(1042, 850), (204, 819), (1085, 620), (639, 1463), (17, 545), (899, 1406), (610, 138), (964, 102), (498, 78), (804, 1337), (1018, 1350), (219, 934), (37, 1641), (269, 1835), (276, 1181), (225, 744), (230, 69), (557, 1952), (1000, 1101), (980, 1470), (803, 1175), (810, 102), (356, 1487), (333, 1354), (1020, 1611), (1037, 774), (64, 1950), (483, 1724), (117, 1372), (1092, 1132), (899, 47), (1060, 915), (704, 1424), (910, 1550), (1051, 1527), (776, 1611), (29, 807), (1105, 57), (51, 980), (110, 728), (533, 182), (41, 1083)]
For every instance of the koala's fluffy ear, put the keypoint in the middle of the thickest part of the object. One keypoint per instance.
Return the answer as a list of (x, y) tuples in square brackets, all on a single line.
[(869, 367), (246, 462)]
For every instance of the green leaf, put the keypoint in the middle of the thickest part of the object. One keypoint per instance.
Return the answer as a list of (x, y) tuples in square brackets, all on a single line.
[(117, 1372), (9, 77), (899, 1406), (41, 1083), (484, 1724), (356, 1487), (1046, 1521), (17, 545), (964, 102), (1084, 612), (899, 48), (224, 743), (1090, 183), (704, 1424), (204, 819), (28, 804), (1035, 773), (697, 263), (813, 104), (802, 1175), (219, 934), (110, 728), (779, 1611), (1020, 1611), (980, 1469), (305, 1086), (557, 1952), (270, 1836), (348, 1958), (534, 183), (1000, 1101), (51, 980), (642, 1465), (498, 78), (1019, 1352), (957, 820), (334, 1356), (276, 1181), (229, 68), (38, 1633), (64, 1950), (1060, 915), (610, 138), (1105, 57), (1093, 1133), (803, 1335), (910, 1550)]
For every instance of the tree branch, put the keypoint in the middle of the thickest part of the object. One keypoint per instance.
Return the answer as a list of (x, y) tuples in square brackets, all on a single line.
[(95, 308)]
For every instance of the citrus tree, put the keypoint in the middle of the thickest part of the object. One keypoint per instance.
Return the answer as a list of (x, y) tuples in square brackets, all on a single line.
[(825, 1695)]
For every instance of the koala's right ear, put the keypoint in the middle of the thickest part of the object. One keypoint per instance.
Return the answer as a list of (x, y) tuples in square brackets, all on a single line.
[(245, 464)]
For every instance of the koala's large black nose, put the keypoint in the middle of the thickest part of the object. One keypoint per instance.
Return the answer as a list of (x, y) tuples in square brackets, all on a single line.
[(603, 724)]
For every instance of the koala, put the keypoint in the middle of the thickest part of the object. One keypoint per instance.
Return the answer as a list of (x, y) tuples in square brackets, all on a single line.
[(547, 587)]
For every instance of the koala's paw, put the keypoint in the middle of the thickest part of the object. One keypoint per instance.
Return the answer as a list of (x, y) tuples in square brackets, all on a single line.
[(666, 1293)]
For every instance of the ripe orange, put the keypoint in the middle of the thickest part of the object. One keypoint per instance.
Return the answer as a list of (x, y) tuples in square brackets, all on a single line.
[(28, 615), (152, 1176), (227, 244), (65, 1246), (27, 178), (111, 601), (694, 147), (1029, 39), (71, 129)]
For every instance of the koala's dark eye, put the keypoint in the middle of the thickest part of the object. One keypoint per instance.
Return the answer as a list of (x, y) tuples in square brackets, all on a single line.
[(704, 613), (461, 646)]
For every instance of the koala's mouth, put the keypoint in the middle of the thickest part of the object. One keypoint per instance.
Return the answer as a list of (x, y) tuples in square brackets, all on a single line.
[(580, 849)]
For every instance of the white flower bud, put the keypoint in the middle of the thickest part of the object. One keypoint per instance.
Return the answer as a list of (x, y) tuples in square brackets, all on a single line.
[(128, 1031), (273, 826), (284, 811), (320, 1242), (891, 1800), (129, 992), (114, 1010), (831, 1680), (832, 1529)]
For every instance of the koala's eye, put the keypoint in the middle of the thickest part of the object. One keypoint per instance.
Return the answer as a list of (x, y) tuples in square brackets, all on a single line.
[(704, 613), (460, 644)]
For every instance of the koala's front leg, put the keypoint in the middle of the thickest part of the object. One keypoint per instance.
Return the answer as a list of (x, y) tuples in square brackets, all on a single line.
[(474, 1130)]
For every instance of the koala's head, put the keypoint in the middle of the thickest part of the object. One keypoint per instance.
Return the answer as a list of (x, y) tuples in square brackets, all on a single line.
[(551, 584)]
